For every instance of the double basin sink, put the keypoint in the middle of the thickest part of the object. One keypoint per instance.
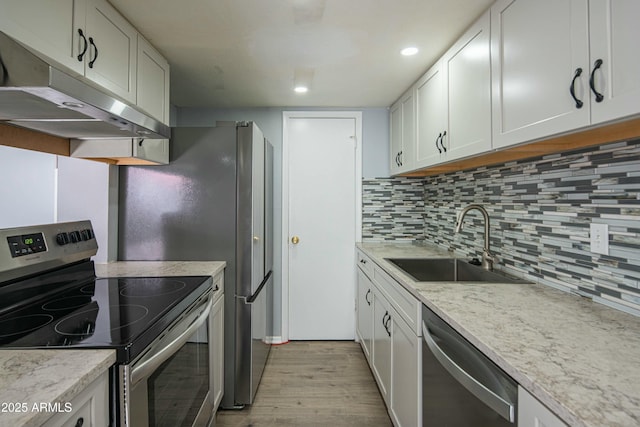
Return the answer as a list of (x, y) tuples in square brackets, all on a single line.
[(448, 270)]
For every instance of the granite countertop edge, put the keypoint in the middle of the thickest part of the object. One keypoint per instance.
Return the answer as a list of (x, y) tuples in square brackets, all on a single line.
[(32, 377), (159, 268), (540, 336)]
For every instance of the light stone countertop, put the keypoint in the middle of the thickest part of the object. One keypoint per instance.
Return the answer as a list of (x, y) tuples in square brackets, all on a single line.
[(577, 357), (159, 268), (45, 376)]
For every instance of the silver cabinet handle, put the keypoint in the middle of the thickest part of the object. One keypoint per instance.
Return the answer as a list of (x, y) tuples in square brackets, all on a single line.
[(506, 409)]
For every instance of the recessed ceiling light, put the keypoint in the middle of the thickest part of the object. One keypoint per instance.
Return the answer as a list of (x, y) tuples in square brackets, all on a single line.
[(408, 51), (301, 89)]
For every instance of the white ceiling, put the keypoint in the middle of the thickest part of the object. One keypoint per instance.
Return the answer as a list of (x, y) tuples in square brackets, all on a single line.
[(248, 53)]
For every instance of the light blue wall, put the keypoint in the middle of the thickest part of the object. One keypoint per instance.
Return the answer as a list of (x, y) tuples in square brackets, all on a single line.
[(375, 129), (375, 156)]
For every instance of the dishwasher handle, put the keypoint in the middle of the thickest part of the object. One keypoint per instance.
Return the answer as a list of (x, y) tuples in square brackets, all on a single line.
[(504, 408)]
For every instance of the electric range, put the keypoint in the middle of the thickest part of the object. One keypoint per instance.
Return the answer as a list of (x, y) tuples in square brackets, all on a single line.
[(51, 298)]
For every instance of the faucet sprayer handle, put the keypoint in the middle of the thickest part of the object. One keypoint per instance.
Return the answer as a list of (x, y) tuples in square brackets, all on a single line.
[(458, 224)]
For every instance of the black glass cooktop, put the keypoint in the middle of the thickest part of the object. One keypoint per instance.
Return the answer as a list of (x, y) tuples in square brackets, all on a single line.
[(126, 314)]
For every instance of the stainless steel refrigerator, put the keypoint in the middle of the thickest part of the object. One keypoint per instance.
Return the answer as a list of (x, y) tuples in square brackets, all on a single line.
[(213, 201)]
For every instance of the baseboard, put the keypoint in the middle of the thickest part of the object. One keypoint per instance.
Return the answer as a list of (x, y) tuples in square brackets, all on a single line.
[(275, 340)]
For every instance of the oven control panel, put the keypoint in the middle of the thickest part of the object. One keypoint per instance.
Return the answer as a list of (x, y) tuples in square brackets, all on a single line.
[(31, 249), (26, 244)]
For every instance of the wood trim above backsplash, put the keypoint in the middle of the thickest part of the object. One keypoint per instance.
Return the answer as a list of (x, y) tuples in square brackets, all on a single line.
[(619, 131), (17, 137)]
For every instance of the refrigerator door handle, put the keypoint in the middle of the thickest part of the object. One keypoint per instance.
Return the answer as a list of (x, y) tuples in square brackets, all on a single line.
[(253, 297)]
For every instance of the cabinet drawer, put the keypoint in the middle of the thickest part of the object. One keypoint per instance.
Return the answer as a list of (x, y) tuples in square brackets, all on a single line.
[(365, 264), (407, 306)]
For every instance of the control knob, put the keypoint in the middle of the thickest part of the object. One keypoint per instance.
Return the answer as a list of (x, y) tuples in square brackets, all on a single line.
[(62, 238)]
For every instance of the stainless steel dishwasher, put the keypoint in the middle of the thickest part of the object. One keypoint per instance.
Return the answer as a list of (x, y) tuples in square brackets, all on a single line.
[(461, 387)]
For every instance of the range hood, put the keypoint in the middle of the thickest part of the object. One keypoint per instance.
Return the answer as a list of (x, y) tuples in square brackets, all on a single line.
[(37, 95)]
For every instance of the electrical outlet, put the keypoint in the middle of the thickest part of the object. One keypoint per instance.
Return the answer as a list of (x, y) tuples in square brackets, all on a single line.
[(600, 238)]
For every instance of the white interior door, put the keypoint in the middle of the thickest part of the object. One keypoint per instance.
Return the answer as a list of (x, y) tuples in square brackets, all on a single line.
[(322, 182)]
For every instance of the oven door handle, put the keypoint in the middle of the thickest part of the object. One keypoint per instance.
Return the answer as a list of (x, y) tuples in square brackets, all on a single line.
[(149, 363)]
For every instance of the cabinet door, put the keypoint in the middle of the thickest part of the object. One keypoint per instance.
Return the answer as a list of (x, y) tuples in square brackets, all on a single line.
[(112, 55), (217, 358), (403, 133), (364, 323), (395, 136), (431, 120), (90, 408), (532, 413), (381, 345), (537, 48), (614, 34), (468, 67), (407, 152), (152, 81), (154, 150), (406, 374), (46, 27)]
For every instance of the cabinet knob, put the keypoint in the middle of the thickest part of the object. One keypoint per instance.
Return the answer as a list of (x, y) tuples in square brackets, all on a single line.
[(80, 422), (295, 240)]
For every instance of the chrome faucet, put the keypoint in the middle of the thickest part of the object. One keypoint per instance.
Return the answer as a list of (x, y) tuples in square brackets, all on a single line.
[(487, 257)]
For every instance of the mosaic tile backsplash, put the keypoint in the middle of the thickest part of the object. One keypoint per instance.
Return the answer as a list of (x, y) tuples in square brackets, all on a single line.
[(393, 209), (540, 211)]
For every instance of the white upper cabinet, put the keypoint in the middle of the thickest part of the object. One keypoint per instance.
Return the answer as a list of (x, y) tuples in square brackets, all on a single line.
[(431, 119), (614, 67), (46, 26), (581, 70), (452, 106), (88, 37), (395, 136), (111, 49), (525, 71), (453, 100), (402, 133), (468, 83), (540, 50), (153, 81)]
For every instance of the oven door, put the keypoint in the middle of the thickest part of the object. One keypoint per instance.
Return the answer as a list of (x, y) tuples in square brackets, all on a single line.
[(169, 384)]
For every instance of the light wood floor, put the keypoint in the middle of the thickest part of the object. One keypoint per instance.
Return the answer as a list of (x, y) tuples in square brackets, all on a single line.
[(313, 383)]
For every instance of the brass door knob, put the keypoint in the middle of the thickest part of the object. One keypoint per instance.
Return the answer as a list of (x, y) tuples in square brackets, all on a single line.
[(295, 240)]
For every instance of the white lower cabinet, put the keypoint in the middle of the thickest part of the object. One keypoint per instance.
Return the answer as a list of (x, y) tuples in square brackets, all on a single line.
[(89, 409), (406, 374), (392, 346), (382, 358), (532, 413), (217, 336), (364, 307)]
